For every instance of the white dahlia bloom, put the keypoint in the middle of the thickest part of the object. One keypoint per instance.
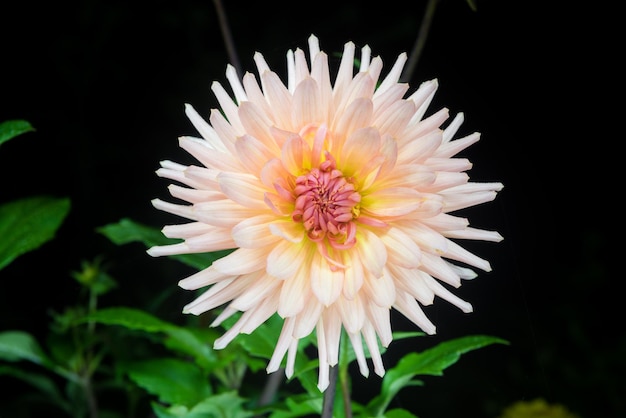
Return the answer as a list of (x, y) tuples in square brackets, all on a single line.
[(338, 197)]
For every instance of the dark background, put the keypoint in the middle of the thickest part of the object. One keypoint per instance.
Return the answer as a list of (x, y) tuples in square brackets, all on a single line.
[(104, 84)]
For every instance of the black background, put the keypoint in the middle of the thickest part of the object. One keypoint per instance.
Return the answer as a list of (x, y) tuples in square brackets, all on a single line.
[(104, 84)]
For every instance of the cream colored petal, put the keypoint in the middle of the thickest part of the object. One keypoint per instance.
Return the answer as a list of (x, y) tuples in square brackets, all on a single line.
[(262, 312), (476, 234), (419, 149), (381, 290), (394, 120), (273, 171), (203, 278), (244, 189), (345, 72), (282, 345), (253, 154), (394, 74), (224, 130), (223, 213), (296, 155), (391, 202), (183, 211), (357, 115), (217, 295), (301, 68), (257, 124), (285, 258), (439, 268), (402, 249), (242, 261), (380, 319), (165, 250), (414, 176), (454, 147), (360, 147), (321, 74), (369, 334), (293, 293), (308, 317), (254, 232), (457, 201), (325, 283), (352, 314), (204, 129), (448, 164), (446, 222), (412, 281), (357, 345), (426, 238), (216, 240), (255, 95), (353, 276), (235, 84), (228, 106), (372, 252), (407, 306), (332, 326), (423, 97), (187, 230), (444, 293), (194, 195), (458, 253), (287, 229), (279, 99), (322, 353), (307, 102), (445, 181), (259, 289)]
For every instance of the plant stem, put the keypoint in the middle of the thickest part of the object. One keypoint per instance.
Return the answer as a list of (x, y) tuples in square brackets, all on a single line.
[(418, 46), (228, 37), (329, 394)]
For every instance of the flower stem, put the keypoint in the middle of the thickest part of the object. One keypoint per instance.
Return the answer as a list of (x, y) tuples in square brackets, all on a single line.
[(228, 37), (329, 393), (420, 41)]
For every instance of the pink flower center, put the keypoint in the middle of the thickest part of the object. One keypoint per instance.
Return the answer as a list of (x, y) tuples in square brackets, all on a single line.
[(327, 205)]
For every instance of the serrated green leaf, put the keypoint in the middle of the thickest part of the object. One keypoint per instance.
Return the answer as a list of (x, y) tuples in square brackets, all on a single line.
[(20, 345), (429, 362), (171, 380), (11, 128), (126, 231), (178, 339), (130, 318), (224, 405), (28, 223)]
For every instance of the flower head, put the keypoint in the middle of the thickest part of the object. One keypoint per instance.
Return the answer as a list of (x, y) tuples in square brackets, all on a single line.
[(337, 197)]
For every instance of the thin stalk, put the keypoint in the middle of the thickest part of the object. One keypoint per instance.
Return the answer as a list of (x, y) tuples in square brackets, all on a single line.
[(329, 394), (228, 37), (420, 41)]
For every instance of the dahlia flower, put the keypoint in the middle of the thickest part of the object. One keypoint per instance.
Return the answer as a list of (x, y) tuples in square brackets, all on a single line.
[(337, 198)]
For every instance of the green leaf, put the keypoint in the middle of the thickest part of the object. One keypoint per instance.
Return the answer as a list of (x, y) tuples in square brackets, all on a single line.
[(20, 345), (130, 318), (12, 128), (224, 405), (43, 383), (429, 362), (173, 381), (127, 231), (399, 413), (28, 223), (178, 339)]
